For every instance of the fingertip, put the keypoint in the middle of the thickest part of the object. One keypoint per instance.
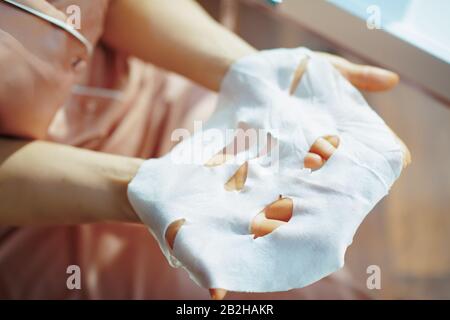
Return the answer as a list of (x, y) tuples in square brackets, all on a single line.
[(373, 78), (395, 78), (388, 79), (262, 226), (323, 148), (217, 294), (313, 161), (334, 140), (407, 159), (280, 210), (172, 231)]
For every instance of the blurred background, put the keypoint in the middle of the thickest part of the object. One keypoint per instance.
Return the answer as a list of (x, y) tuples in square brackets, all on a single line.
[(408, 234)]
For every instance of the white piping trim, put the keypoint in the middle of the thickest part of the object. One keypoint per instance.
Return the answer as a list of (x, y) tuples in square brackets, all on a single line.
[(66, 27)]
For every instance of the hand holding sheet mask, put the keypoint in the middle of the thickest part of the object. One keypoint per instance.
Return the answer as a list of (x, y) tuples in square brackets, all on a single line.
[(287, 98)]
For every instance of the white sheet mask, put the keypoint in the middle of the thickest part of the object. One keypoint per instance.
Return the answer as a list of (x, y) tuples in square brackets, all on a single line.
[(215, 245)]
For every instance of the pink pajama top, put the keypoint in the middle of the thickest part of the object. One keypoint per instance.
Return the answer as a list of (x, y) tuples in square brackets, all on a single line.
[(51, 88)]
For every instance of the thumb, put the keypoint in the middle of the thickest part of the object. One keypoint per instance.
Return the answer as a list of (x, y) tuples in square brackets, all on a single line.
[(362, 76)]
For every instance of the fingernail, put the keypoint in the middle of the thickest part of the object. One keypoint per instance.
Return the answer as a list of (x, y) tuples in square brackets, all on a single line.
[(217, 294)]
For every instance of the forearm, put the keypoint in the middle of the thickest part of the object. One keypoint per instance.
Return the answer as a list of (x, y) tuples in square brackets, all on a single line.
[(47, 183), (176, 35)]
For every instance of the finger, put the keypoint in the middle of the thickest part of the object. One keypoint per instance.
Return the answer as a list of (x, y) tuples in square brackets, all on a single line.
[(323, 148), (334, 140), (406, 153), (313, 161), (262, 226), (280, 209), (364, 77), (372, 78), (172, 231), (217, 294)]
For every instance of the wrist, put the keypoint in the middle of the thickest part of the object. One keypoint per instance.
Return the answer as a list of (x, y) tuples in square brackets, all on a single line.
[(230, 48), (118, 174)]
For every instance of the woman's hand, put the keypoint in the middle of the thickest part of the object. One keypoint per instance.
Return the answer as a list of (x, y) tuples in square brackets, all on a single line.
[(362, 76)]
